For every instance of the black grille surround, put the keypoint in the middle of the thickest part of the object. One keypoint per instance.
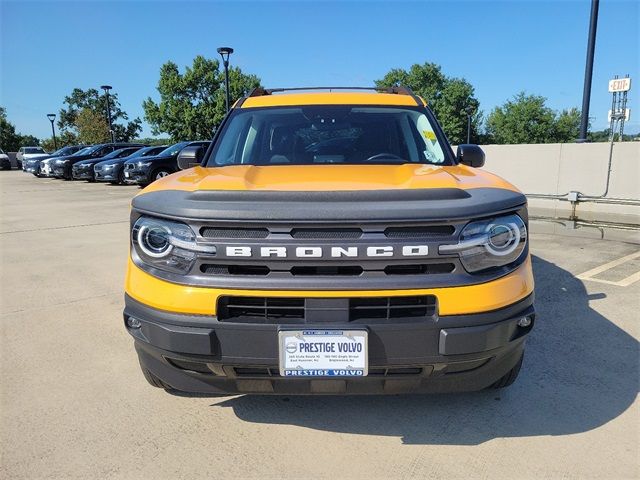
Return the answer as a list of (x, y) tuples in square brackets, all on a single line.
[(342, 219), (349, 273)]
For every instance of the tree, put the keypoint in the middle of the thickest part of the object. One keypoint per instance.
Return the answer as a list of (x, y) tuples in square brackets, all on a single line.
[(92, 127), (10, 141), (451, 99), (63, 139), (96, 102), (567, 126), (193, 103)]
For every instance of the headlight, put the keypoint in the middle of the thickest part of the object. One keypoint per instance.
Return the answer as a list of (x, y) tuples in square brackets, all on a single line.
[(108, 167), (491, 243), (144, 164), (166, 245), (60, 162)]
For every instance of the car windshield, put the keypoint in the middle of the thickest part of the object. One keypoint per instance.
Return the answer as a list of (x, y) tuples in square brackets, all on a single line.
[(84, 151), (340, 134), (173, 149), (122, 152), (63, 151), (33, 150)]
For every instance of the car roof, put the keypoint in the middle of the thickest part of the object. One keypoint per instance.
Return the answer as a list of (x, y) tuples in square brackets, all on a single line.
[(279, 97)]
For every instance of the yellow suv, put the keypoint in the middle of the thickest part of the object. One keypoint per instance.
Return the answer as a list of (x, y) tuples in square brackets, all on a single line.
[(329, 242)]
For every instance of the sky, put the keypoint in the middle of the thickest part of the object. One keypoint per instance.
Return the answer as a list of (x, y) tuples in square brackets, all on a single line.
[(501, 48)]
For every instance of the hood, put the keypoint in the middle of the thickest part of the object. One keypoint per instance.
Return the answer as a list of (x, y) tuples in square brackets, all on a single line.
[(114, 161), (319, 178), (32, 156)]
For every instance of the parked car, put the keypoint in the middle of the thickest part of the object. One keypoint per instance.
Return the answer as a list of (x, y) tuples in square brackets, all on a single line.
[(146, 170), (32, 165), (112, 170), (62, 166), (29, 152), (5, 161), (84, 170), (380, 264), (46, 165)]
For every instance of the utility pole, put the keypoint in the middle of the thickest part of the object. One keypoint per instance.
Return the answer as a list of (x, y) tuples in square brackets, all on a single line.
[(588, 71)]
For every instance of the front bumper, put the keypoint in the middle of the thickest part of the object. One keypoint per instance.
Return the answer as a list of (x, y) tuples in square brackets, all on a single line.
[(139, 176), (103, 175), (453, 353), (82, 173)]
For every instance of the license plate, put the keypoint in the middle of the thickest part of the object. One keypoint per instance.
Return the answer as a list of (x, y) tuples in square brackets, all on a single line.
[(323, 353), (126, 174)]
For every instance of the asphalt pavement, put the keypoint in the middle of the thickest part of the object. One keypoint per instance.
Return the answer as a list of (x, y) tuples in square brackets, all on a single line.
[(73, 403)]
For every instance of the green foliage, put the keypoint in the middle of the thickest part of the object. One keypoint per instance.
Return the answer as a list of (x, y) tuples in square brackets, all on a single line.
[(193, 103), (603, 136), (94, 101), (9, 139), (92, 127), (527, 119), (153, 141), (451, 99), (63, 139)]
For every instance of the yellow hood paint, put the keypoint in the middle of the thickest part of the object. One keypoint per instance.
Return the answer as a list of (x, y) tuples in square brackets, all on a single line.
[(329, 178)]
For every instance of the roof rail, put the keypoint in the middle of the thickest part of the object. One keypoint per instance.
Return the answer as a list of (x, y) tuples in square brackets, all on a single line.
[(397, 89)]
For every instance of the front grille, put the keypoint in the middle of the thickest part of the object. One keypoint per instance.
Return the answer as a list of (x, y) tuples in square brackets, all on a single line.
[(326, 270), (236, 233), (288, 310), (129, 166), (326, 233), (425, 231)]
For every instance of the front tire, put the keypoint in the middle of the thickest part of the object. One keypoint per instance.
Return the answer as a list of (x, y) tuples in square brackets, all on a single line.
[(510, 376), (160, 173)]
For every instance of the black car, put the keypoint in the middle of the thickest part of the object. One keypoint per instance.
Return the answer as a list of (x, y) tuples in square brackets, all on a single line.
[(113, 170), (32, 165), (61, 167), (147, 170), (84, 170)]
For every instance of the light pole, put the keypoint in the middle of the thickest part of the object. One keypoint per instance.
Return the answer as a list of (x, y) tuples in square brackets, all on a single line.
[(469, 113), (52, 117), (224, 53), (588, 71), (106, 89)]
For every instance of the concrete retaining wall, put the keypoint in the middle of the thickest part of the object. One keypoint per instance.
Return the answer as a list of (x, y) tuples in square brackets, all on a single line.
[(560, 168)]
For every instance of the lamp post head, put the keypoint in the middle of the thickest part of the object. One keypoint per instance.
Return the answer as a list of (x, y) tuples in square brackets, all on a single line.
[(225, 52), (51, 117), (106, 87)]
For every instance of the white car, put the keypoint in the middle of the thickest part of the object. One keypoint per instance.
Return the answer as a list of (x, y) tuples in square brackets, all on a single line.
[(29, 152), (5, 161)]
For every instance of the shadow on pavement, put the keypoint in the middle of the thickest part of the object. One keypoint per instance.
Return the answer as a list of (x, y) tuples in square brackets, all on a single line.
[(580, 372)]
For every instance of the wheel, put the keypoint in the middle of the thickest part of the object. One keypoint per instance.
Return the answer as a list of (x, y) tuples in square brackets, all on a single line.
[(120, 178), (510, 376), (37, 171), (160, 173), (153, 380), (19, 164)]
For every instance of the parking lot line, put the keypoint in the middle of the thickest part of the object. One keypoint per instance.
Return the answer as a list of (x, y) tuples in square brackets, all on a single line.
[(625, 282)]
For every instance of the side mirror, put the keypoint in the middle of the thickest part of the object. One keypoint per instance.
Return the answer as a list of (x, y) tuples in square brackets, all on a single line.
[(470, 155), (190, 157)]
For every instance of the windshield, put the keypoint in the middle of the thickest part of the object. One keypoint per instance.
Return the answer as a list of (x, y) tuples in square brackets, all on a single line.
[(328, 135), (84, 151), (173, 149), (33, 150), (63, 151)]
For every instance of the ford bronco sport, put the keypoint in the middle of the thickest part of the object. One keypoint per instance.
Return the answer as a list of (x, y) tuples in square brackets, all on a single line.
[(329, 242)]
